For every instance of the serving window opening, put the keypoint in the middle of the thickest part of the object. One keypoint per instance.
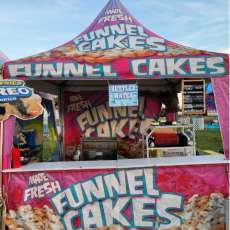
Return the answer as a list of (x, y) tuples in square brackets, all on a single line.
[(79, 124)]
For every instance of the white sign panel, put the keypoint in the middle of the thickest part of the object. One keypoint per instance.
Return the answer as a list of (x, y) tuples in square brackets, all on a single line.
[(123, 95)]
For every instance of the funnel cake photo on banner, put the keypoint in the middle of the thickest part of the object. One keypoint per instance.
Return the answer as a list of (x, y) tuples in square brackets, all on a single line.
[(27, 217), (200, 212)]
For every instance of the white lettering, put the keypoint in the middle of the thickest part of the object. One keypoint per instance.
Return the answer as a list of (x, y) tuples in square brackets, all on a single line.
[(216, 65)]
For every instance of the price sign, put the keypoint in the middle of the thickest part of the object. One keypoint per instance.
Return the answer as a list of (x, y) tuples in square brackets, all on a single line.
[(123, 95), (193, 97)]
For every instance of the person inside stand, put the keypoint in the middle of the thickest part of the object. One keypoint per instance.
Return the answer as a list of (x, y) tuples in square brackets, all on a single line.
[(169, 137), (15, 152), (170, 99)]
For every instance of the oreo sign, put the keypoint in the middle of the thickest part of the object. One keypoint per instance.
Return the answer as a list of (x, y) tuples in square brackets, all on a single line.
[(18, 100), (13, 90)]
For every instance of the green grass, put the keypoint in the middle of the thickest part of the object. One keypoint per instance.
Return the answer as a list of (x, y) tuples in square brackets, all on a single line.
[(209, 139)]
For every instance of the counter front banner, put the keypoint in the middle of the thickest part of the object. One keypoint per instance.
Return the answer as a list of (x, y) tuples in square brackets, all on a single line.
[(138, 198)]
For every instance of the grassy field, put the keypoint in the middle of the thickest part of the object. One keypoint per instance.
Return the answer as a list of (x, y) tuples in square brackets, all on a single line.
[(209, 139)]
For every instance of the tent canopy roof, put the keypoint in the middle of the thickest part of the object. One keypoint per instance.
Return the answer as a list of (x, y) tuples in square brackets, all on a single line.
[(52, 87), (116, 46)]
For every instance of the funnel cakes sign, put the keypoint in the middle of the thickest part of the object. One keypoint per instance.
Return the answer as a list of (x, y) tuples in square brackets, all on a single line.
[(118, 199), (127, 196), (18, 100), (142, 68), (119, 36)]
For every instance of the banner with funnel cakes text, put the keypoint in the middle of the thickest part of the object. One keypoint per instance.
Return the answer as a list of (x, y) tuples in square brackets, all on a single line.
[(116, 46), (178, 197), (88, 115)]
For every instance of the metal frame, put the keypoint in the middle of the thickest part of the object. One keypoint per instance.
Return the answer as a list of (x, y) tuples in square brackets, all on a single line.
[(171, 126)]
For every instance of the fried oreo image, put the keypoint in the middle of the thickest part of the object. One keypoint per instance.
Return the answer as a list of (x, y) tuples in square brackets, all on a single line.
[(23, 108)]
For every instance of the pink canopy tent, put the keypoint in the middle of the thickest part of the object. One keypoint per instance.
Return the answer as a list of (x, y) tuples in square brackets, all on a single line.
[(118, 47), (134, 193)]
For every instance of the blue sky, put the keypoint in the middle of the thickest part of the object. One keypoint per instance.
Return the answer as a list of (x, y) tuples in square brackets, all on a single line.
[(28, 27)]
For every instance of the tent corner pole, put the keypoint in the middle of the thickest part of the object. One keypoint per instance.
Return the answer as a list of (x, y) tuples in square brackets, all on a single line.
[(61, 111)]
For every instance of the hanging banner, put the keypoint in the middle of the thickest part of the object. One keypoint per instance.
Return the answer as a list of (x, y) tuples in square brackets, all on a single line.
[(123, 95), (144, 68), (88, 114), (143, 198), (18, 100), (43, 137)]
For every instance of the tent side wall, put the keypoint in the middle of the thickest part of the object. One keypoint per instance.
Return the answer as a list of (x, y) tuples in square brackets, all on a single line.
[(221, 94)]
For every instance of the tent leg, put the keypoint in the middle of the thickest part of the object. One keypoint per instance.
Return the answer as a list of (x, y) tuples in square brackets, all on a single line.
[(61, 111)]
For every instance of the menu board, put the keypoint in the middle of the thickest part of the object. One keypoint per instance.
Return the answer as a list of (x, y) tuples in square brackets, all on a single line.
[(193, 97)]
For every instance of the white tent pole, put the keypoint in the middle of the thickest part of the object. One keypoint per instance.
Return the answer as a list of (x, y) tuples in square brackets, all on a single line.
[(61, 112)]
